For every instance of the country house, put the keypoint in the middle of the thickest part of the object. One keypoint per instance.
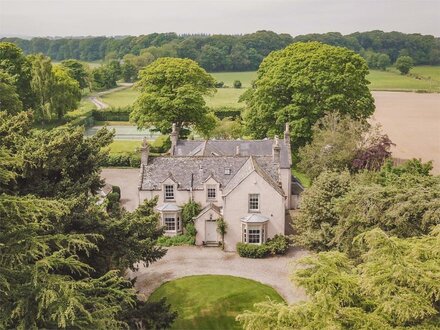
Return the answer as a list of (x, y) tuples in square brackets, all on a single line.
[(246, 182)]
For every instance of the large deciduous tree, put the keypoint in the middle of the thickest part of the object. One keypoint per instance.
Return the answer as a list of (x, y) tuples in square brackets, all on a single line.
[(301, 83), (14, 63), (404, 64), (172, 91), (77, 71), (9, 99)]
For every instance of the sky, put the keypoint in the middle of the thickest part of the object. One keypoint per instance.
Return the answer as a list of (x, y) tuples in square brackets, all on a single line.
[(126, 17)]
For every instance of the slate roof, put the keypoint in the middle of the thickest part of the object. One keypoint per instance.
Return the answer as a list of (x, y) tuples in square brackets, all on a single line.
[(228, 148), (210, 206), (194, 171)]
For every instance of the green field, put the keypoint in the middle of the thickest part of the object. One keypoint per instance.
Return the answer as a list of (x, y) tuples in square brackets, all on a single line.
[(389, 80), (212, 301), (225, 97), (120, 98), (392, 80), (228, 77)]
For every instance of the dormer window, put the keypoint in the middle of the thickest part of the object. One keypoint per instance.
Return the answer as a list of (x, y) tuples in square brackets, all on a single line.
[(211, 191), (227, 171), (169, 192)]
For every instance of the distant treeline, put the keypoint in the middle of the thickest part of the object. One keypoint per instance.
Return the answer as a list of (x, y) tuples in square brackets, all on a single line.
[(229, 52)]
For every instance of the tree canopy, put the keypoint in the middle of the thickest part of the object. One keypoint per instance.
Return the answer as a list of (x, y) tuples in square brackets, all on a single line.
[(396, 284), (62, 255), (301, 83), (172, 91)]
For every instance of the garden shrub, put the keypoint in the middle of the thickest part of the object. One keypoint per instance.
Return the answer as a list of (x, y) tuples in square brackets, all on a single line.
[(177, 240), (279, 244), (254, 251), (116, 190), (189, 211), (191, 230)]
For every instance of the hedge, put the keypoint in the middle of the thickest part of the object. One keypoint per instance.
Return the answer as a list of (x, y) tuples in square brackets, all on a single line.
[(113, 114), (122, 160), (252, 250), (279, 244), (226, 112)]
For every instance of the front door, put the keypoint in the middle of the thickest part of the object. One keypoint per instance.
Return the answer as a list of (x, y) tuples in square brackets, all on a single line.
[(211, 231)]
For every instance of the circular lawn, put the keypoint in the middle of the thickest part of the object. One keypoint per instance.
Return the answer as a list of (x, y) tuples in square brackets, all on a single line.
[(212, 301)]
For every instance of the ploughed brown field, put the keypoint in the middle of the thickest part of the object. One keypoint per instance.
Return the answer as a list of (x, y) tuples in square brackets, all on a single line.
[(412, 121)]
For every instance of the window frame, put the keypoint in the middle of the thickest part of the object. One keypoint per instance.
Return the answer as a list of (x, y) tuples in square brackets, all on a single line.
[(166, 192), (254, 210), (169, 217), (211, 187)]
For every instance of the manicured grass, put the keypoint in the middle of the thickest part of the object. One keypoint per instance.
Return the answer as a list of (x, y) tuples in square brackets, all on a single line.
[(228, 78), (124, 146), (212, 301), (121, 98), (113, 123)]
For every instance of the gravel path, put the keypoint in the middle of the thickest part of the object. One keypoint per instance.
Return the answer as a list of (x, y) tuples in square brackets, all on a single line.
[(191, 260), (127, 179)]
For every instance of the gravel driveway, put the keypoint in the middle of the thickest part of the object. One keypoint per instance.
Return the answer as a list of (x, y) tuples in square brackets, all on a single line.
[(191, 260), (127, 179)]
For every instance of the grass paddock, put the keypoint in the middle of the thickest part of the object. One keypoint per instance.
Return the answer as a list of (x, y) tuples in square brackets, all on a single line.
[(212, 301)]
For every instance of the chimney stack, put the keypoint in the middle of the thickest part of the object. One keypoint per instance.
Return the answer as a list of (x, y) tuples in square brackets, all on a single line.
[(145, 150), (287, 134), (276, 149), (174, 137)]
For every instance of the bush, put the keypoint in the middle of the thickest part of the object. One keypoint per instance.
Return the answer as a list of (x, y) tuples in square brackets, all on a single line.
[(191, 230), (113, 198), (122, 160), (177, 240), (237, 84), (116, 190), (219, 84), (252, 250), (189, 211), (279, 244)]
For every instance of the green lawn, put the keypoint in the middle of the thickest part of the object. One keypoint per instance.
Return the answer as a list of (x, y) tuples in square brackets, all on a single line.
[(212, 301), (124, 146), (121, 98)]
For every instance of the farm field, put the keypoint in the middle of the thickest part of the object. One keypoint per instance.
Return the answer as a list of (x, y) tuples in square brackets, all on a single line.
[(412, 121), (202, 302), (228, 78), (228, 97), (394, 81)]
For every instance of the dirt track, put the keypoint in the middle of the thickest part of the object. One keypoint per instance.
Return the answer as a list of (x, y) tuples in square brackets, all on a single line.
[(412, 121)]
